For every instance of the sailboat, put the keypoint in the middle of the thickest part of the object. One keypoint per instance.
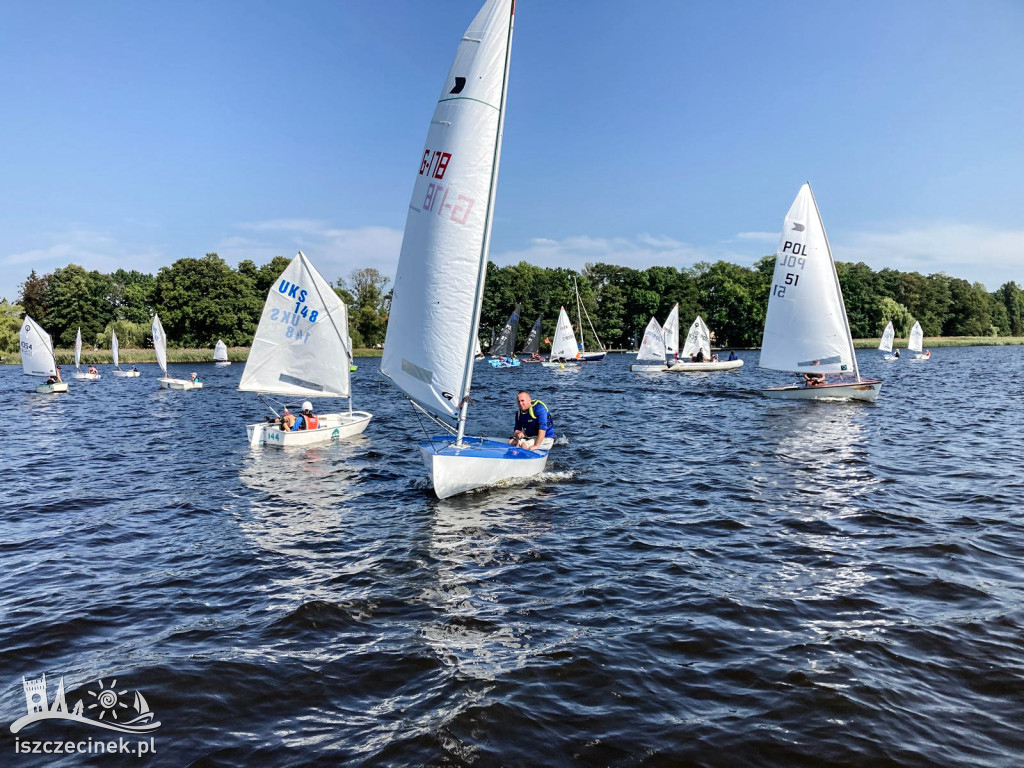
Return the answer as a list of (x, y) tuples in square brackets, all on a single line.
[(806, 329), (220, 353), (581, 312), (670, 331), (565, 352), (301, 350), (160, 347), (79, 373), (478, 353), (438, 289), (530, 352), (915, 342), (885, 344), (37, 357), (503, 351), (114, 349), (651, 357), (698, 344)]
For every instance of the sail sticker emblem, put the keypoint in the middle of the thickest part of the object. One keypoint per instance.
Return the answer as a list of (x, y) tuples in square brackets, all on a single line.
[(798, 227), (447, 395), (460, 83)]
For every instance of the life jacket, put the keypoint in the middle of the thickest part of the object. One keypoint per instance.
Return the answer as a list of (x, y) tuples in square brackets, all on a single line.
[(309, 422), (530, 422)]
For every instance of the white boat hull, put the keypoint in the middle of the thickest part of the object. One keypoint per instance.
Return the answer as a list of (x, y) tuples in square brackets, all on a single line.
[(685, 366), (180, 384), (648, 368), (570, 364), (482, 462), (333, 426), (890, 359), (126, 374), (222, 362), (87, 376), (919, 358), (866, 390), (52, 389)]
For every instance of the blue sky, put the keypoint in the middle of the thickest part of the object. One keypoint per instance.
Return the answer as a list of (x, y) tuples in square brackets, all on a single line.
[(652, 132)]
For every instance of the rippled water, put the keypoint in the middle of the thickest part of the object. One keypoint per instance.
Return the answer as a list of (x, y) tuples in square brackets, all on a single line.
[(703, 576)]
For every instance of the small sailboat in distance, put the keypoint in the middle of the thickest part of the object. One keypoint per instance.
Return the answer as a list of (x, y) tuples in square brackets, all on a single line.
[(438, 289), (530, 353), (696, 355), (885, 344), (114, 353), (160, 347), (915, 343), (651, 357), (806, 330), (503, 351), (565, 352), (91, 374), (37, 357), (581, 312), (220, 354)]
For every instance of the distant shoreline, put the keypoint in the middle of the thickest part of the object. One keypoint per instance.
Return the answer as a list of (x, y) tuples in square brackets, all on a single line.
[(240, 354)]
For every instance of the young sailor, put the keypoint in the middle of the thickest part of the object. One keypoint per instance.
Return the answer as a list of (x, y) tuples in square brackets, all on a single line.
[(534, 428)]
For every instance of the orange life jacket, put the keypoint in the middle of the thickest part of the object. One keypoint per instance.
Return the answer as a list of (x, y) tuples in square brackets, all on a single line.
[(311, 422)]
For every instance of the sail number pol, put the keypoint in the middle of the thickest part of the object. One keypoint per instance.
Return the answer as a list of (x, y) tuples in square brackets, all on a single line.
[(792, 260)]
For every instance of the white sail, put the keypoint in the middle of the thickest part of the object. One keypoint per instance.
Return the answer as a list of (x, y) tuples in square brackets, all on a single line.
[(78, 348), (114, 349), (805, 328), (220, 351), (653, 347), (435, 307), (301, 346), (159, 343), (36, 350), (477, 352), (887, 336), (698, 339), (564, 346), (916, 341), (671, 332)]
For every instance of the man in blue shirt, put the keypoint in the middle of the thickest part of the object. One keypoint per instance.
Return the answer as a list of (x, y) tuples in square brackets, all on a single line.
[(535, 428)]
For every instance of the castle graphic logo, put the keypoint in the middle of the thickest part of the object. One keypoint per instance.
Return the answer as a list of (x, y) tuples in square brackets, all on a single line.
[(104, 707)]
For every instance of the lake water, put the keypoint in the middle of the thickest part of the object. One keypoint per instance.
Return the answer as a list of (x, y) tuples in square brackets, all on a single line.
[(703, 577)]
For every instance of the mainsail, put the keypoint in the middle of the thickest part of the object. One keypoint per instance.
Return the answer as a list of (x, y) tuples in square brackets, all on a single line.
[(78, 348), (887, 337), (301, 345), (435, 307), (652, 348), (506, 342), (159, 343), (806, 329), (36, 350), (220, 352), (114, 348), (698, 339), (670, 332), (916, 341), (532, 345), (564, 347)]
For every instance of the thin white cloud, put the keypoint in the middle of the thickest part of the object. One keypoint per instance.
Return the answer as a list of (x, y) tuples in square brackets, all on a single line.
[(638, 252), (770, 237)]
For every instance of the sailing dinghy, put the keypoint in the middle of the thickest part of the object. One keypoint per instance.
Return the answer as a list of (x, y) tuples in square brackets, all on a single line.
[(160, 347), (438, 289), (651, 357), (114, 350), (915, 343), (581, 312), (806, 329), (565, 352), (530, 352), (698, 343), (302, 350), (220, 354), (37, 357), (79, 373), (885, 344), (503, 353)]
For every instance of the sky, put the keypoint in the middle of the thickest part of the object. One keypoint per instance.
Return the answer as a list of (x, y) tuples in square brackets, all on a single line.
[(655, 132)]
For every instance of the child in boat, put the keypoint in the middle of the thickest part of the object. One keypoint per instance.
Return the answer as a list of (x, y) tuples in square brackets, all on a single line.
[(55, 379)]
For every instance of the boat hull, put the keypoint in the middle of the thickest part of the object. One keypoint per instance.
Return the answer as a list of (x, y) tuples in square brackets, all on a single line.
[(890, 359), (920, 358), (570, 364), (866, 390), (52, 389), (511, 363), (222, 363), (87, 376), (592, 357), (481, 462), (333, 426), (685, 366), (648, 368), (180, 384), (126, 374)]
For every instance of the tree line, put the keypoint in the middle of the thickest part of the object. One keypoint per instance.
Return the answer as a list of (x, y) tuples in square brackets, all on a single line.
[(200, 300)]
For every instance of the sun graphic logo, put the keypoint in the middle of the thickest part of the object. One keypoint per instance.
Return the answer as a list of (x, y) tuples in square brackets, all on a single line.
[(107, 699), (109, 709)]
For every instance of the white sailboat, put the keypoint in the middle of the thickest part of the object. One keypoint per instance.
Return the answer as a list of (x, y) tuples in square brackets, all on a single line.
[(915, 343), (160, 347), (114, 350), (79, 373), (698, 344), (581, 312), (670, 330), (220, 354), (885, 344), (438, 289), (565, 352), (806, 329), (651, 357), (301, 350), (37, 357)]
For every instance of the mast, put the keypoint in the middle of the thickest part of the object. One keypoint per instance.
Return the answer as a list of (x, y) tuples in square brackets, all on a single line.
[(839, 288), (486, 245)]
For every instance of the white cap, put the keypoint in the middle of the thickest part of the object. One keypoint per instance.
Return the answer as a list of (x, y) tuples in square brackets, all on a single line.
[(307, 406)]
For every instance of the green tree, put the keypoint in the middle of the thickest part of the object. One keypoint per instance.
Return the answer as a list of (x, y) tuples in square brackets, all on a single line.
[(131, 296), (10, 327), (860, 294), (33, 297), (77, 299), (368, 312), (1012, 297)]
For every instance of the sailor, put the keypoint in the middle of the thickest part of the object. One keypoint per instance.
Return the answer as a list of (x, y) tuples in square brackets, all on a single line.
[(93, 369), (56, 377), (307, 419), (534, 427), (896, 354), (194, 377)]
